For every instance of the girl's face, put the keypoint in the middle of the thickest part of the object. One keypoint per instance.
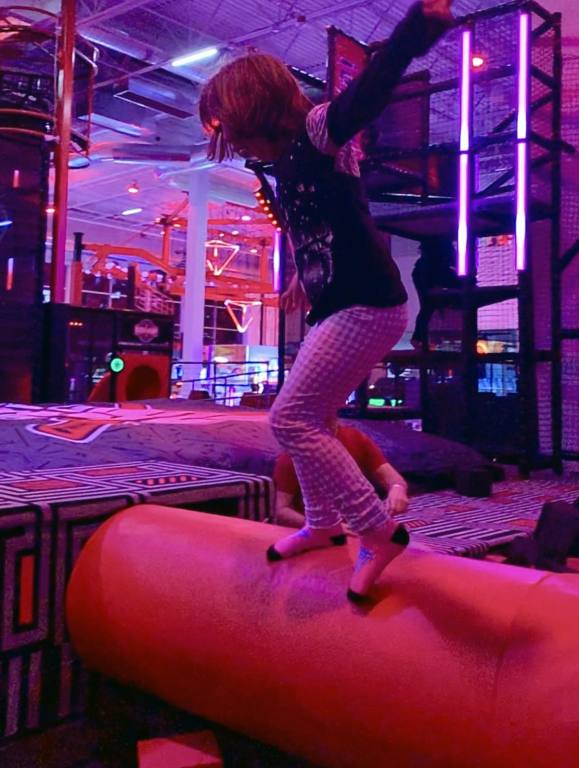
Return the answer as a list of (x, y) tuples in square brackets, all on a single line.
[(254, 148)]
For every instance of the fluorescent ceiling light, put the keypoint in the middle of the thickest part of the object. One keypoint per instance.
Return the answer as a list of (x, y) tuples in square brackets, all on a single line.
[(131, 211), (195, 56), (6, 223)]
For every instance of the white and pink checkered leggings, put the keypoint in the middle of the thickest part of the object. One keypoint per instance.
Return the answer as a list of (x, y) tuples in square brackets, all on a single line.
[(334, 359)]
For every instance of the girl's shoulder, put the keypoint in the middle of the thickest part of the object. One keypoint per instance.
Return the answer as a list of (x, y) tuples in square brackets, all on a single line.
[(347, 157)]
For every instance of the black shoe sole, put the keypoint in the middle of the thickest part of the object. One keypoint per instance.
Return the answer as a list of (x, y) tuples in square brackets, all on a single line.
[(356, 597), (273, 556), (400, 536)]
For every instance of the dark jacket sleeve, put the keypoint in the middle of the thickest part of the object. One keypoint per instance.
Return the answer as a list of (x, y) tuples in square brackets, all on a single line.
[(368, 94)]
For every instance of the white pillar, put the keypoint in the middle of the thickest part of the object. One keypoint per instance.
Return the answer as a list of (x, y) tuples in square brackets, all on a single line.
[(252, 337), (193, 307)]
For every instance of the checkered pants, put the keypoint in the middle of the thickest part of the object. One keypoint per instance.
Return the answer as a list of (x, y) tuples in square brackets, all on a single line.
[(334, 359)]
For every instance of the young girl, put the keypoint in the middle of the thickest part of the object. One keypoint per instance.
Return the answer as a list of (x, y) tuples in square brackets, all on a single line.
[(254, 106)]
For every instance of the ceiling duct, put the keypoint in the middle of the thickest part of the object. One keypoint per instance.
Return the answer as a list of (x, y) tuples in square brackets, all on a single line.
[(155, 154), (159, 96), (237, 187), (228, 194), (121, 117), (123, 43)]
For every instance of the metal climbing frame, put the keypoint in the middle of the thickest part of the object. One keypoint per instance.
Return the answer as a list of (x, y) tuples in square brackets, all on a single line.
[(46, 86), (470, 150)]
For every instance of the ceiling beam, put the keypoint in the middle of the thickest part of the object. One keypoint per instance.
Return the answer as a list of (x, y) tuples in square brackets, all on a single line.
[(345, 5), (110, 13), (329, 10)]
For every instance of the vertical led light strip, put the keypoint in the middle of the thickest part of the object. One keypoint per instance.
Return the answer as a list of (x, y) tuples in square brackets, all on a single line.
[(464, 156), (10, 274), (276, 260), (522, 144)]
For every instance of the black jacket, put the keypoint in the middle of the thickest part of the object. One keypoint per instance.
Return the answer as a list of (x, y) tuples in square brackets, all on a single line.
[(342, 258)]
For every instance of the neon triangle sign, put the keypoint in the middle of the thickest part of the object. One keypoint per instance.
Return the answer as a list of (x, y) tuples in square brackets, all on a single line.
[(240, 323), (220, 256)]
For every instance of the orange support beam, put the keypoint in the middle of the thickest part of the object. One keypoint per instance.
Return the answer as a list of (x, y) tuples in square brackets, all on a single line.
[(63, 132)]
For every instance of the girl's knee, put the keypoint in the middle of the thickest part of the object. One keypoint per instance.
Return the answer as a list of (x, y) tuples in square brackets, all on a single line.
[(283, 422), (292, 427)]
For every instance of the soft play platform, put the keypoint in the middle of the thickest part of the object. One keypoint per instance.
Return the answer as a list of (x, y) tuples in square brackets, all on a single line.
[(452, 524), (46, 516), (67, 469), (458, 662), (187, 432)]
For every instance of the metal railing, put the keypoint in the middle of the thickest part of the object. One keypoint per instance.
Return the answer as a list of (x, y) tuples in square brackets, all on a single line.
[(229, 388), (148, 299)]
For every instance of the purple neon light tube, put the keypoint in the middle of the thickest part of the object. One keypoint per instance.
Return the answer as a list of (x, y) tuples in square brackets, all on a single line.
[(522, 145), (276, 260), (464, 157)]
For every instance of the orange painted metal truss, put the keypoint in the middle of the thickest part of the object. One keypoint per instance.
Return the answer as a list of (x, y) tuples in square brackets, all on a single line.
[(238, 291)]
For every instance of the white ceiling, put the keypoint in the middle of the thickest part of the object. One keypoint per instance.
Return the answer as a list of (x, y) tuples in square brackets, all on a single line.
[(155, 31)]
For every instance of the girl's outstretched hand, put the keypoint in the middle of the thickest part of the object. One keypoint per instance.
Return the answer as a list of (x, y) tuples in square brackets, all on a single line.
[(439, 8)]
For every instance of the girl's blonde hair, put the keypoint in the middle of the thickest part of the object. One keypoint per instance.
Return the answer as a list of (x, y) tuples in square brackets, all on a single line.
[(255, 96)]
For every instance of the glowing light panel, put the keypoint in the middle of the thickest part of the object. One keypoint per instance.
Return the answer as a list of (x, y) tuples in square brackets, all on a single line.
[(522, 147), (195, 56), (276, 261), (464, 158)]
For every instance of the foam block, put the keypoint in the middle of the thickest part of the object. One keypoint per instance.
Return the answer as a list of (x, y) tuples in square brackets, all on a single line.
[(461, 663), (474, 482), (189, 750)]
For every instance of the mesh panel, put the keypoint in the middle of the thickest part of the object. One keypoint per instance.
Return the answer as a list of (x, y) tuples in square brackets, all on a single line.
[(544, 407), (541, 260), (494, 162), (501, 94), (541, 116), (569, 236), (570, 169), (444, 116), (499, 323), (542, 49), (445, 330), (495, 38), (446, 404), (496, 261), (570, 295), (442, 61), (570, 392), (443, 64), (541, 124)]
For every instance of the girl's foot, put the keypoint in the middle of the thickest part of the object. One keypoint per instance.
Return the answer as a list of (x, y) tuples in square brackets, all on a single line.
[(306, 539), (377, 548)]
